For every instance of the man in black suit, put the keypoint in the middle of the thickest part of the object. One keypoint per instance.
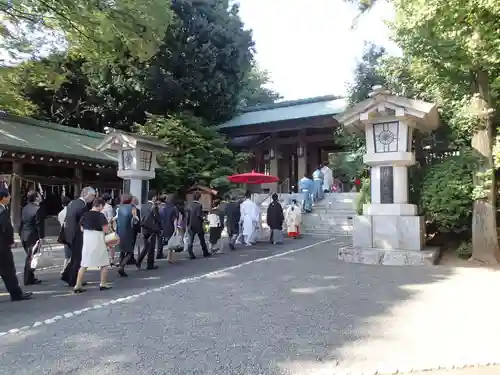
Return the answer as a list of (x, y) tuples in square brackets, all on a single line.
[(73, 233), (194, 226), (31, 230), (151, 229), (137, 230), (233, 215), (7, 266)]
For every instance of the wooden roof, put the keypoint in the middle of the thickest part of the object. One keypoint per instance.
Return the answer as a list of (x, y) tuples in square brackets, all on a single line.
[(33, 136)]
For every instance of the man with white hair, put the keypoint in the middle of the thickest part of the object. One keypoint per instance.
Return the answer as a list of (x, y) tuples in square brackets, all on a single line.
[(73, 235)]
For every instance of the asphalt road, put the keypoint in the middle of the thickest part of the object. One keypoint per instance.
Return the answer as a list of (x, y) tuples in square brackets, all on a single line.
[(270, 310), (53, 297)]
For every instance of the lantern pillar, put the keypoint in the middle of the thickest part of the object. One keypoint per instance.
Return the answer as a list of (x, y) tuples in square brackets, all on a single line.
[(389, 231), (136, 160)]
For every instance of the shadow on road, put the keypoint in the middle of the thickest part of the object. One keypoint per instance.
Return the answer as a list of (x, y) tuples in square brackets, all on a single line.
[(296, 314)]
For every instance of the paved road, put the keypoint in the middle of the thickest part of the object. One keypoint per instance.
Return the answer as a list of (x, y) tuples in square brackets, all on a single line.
[(53, 297), (296, 311)]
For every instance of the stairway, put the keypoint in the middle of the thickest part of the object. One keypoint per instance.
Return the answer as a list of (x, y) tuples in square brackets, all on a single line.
[(330, 216)]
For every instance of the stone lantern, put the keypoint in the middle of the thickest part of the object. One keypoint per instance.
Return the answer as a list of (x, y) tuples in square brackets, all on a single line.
[(136, 160), (389, 232)]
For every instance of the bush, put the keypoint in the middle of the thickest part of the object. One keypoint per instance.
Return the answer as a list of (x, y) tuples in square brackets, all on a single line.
[(364, 196), (446, 196), (464, 251)]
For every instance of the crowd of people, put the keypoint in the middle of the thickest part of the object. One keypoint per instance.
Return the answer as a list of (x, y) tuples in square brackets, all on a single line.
[(94, 232)]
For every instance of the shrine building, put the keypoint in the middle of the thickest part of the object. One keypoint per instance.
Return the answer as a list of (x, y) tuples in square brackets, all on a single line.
[(287, 139), (57, 160)]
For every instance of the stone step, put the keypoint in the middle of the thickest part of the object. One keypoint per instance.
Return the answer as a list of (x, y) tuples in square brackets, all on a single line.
[(330, 233)]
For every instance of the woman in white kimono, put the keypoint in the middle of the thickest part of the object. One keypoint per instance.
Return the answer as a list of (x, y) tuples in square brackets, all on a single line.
[(249, 219), (327, 178), (293, 218)]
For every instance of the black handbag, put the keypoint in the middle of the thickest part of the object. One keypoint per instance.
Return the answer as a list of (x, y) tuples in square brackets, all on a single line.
[(62, 237)]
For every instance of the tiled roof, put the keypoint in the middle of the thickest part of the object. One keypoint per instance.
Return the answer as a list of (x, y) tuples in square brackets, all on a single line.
[(288, 110), (29, 135)]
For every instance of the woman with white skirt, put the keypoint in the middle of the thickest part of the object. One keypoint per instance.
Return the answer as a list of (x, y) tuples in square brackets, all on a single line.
[(94, 225)]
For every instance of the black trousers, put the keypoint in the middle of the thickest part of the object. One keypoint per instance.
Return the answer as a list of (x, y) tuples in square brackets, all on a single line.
[(8, 274), (70, 273), (201, 237), (159, 246), (29, 273), (148, 250), (214, 235)]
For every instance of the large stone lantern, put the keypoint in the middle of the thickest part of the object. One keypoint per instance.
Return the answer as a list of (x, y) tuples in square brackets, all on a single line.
[(136, 160), (389, 232)]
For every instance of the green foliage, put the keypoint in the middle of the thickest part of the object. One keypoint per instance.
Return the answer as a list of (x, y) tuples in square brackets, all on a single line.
[(254, 91), (447, 190), (366, 73), (11, 99), (96, 30), (204, 65), (464, 251), (364, 196), (204, 62), (199, 154)]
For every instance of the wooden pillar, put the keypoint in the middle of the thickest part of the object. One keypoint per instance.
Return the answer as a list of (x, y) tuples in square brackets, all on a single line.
[(273, 168), (15, 194), (258, 160), (302, 155), (78, 182)]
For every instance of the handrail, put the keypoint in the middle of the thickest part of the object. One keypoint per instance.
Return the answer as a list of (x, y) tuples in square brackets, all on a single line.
[(285, 182)]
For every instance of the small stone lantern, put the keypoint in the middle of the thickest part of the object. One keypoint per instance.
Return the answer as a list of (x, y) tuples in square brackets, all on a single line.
[(136, 160), (389, 232)]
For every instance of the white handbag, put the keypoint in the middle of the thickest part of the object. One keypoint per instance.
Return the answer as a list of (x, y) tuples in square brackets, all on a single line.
[(42, 257), (175, 243)]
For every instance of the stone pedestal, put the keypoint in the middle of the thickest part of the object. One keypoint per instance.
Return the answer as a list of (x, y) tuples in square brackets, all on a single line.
[(389, 240), (137, 187), (389, 232)]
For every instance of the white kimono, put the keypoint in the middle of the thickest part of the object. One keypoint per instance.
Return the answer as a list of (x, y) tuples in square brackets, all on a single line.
[(327, 178), (293, 218), (249, 217)]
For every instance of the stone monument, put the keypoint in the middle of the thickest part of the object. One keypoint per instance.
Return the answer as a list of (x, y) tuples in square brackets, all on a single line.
[(136, 160), (389, 231)]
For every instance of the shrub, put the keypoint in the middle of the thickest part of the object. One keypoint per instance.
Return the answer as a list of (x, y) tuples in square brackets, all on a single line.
[(364, 196), (464, 251), (446, 196)]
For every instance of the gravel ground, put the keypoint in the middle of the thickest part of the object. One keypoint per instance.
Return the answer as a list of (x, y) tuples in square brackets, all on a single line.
[(300, 313)]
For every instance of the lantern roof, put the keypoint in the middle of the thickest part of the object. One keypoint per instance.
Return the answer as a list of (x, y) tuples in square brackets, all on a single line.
[(383, 104), (119, 140)]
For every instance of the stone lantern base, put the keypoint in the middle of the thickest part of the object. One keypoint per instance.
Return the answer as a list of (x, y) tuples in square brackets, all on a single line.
[(389, 240)]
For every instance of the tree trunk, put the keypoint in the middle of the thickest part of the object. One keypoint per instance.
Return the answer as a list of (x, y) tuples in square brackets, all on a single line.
[(484, 232)]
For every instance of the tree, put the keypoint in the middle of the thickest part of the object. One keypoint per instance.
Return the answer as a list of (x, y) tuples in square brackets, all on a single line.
[(367, 73), (199, 154), (203, 62), (254, 91), (97, 30), (452, 46), (115, 98), (456, 38), (11, 99), (205, 65)]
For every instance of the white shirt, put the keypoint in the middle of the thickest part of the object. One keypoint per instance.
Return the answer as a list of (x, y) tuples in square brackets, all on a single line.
[(61, 217), (108, 212), (327, 178), (213, 220)]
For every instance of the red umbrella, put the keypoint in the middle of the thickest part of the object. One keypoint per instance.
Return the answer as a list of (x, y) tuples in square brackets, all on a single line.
[(252, 178)]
